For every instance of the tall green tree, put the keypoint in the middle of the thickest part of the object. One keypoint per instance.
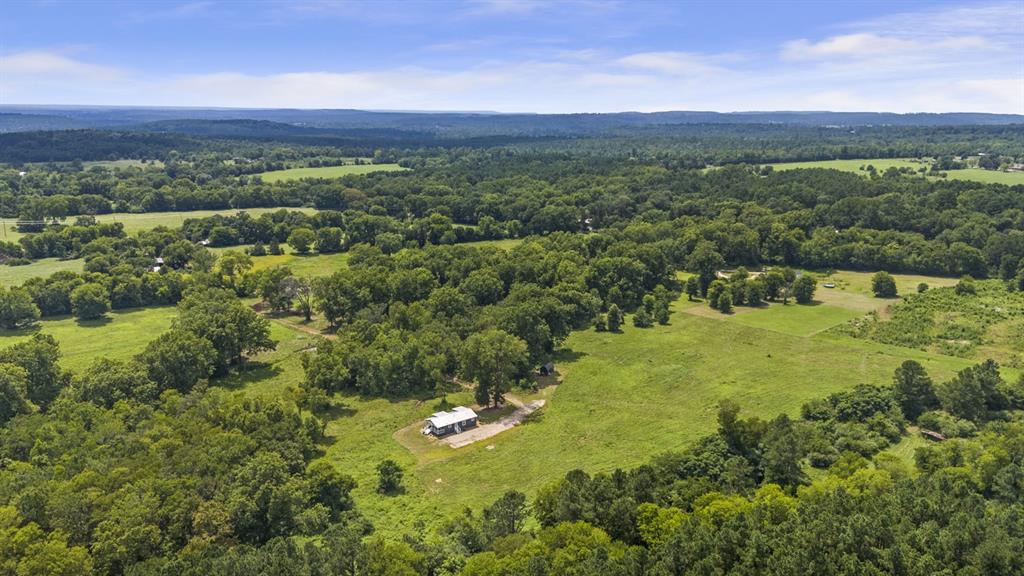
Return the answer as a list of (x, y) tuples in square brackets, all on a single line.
[(17, 310), (39, 357), (781, 454), (494, 359), (13, 392), (178, 359), (90, 301), (705, 262), (301, 240), (913, 389), (232, 328), (803, 289)]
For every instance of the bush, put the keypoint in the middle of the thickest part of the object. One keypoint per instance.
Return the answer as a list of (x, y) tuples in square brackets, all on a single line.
[(725, 301), (614, 318), (883, 285), (966, 287), (642, 318), (946, 424), (389, 477), (803, 289), (922, 288)]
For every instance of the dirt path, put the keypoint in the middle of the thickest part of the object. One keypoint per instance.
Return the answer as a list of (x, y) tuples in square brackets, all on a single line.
[(300, 328), (273, 317), (484, 431)]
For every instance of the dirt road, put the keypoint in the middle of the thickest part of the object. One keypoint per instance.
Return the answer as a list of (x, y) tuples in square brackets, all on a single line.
[(484, 431)]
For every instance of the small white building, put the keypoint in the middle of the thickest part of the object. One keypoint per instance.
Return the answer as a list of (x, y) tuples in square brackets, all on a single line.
[(452, 422)]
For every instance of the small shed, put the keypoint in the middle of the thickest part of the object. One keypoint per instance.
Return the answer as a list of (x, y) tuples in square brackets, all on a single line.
[(452, 422), (547, 369), (931, 435)]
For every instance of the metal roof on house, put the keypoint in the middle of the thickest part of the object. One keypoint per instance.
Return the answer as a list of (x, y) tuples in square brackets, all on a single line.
[(458, 414)]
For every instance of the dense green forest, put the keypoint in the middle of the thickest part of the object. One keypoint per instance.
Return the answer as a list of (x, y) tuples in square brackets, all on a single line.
[(460, 278)]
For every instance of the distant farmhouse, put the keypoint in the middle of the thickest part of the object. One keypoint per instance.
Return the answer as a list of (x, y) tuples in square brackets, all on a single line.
[(452, 422)]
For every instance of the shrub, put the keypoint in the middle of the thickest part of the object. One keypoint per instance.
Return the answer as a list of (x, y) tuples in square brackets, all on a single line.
[(883, 285), (389, 477), (803, 289)]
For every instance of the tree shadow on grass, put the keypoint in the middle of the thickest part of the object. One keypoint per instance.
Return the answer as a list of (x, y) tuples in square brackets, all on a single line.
[(336, 411), (399, 491), (94, 322), (30, 330), (568, 355), (251, 373)]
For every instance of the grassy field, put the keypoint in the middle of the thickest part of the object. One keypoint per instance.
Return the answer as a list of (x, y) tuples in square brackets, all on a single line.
[(987, 176), (16, 275), (850, 298), (883, 164), (880, 164), (123, 164), (316, 265), (327, 171), (119, 336), (309, 265), (625, 397), (134, 223)]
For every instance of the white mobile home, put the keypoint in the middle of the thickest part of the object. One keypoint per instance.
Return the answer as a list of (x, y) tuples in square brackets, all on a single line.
[(451, 422)]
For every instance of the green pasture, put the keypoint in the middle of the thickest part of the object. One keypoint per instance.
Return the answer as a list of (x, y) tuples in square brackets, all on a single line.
[(121, 335), (625, 397), (123, 163), (883, 164), (987, 176), (327, 171), (880, 164), (17, 275), (134, 223)]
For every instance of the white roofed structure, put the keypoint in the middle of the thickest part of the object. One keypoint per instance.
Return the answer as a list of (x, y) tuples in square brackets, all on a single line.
[(455, 420)]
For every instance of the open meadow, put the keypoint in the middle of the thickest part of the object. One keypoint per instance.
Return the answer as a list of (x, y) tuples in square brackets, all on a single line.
[(327, 171), (134, 223), (882, 164), (624, 398), (119, 336), (17, 275)]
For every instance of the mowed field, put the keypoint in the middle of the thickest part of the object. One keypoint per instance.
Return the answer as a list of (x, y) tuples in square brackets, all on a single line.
[(134, 223), (17, 275), (624, 398), (121, 335), (883, 164), (327, 171)]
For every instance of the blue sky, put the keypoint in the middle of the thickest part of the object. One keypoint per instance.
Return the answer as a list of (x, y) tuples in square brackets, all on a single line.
[(518, 55)]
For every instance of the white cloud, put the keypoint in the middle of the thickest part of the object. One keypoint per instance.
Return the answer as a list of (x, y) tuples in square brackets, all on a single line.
[(993, 19), (874, 66), (675, 63), (870, 45), (504, 7), (39, 63)]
